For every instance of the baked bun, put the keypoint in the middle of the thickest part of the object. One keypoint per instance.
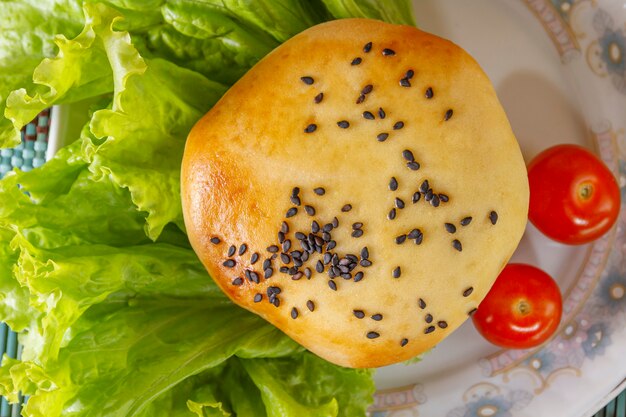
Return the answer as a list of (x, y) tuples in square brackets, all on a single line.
[(360, 188)]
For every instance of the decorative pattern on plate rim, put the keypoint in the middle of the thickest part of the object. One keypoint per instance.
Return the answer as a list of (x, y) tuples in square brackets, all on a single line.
[(595, 305)]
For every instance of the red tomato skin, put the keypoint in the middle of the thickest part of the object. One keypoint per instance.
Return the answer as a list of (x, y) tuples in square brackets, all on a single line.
[(556, 208), (499, 319)]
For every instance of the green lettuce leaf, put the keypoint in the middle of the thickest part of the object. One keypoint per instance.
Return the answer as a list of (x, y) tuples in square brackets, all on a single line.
[(28, 31), (399, 12)]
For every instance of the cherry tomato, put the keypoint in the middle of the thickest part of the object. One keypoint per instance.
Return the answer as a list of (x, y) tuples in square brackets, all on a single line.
[(522, 309), (574, 198)]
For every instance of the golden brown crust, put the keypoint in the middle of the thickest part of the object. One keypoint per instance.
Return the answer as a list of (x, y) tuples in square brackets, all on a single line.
[(244, 158)]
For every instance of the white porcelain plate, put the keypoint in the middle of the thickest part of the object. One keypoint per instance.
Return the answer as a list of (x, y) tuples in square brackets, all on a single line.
[(559, 68)]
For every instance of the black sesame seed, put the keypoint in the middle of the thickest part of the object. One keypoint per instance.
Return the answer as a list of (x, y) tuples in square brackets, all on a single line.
[(266, 263), (318, 98), (393, 184), (215, 240), (456, 244), (305, 256), (319, 267), (372, 335), (335, 260), (381, 113), (468, 292), (414, 234), (344, 124), (310, 305), (327, 258), (229, 263), (404, 342), (416, 197), (346, 275), (413, 166), (315, 227), (435, 201), (346, 208), (450, 228), (361, 99), (421, 303), (428, 318), (254, 277), (419, 239), (377, 317), (295, 191), (444, 198), (352, 257), (365, 253), (284, 269), (284, 227), (424, 187), (356, 61), (319, 191), (365, 263), (388, 52), (258, 297), (307, 80), (359, 314), (254, 258), (292, 271), (357, 225), (408, 155), (357, 233), (310, 128), (294, 313), (325, 238), (472, 311), (268, 272), (297, 262), (295, 200), (404, 82), (429, 329), (296, 254), (442, 324), (358, 276), (331, 245), (400, 239), (344, 262), (242, 249), (297, 276), (448, 115), (306, 246), (285, 258), (382, 137), (332, 273), (291, 212), (429, 93), (332, 285), (237, 281), (392, 214), (272, 248), (429, 195), (231, 250), (310, 210), (307, 272), (409, 74), (396, 272), (493, 217), (335, 222), (300, 236), (273, 291), (368, 115), (367, 89), (367, 47), (327, 228), (466, 220), (275, 301), (398, 125)]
